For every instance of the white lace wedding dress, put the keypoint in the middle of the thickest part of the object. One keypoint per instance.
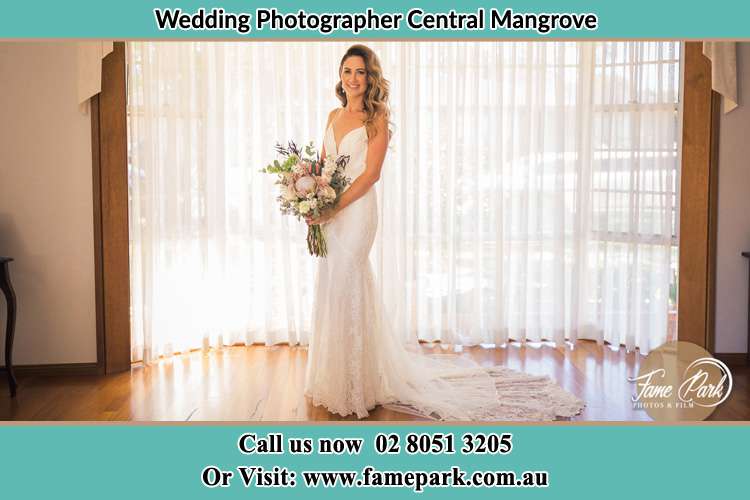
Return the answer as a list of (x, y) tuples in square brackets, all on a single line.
[(356, 363)]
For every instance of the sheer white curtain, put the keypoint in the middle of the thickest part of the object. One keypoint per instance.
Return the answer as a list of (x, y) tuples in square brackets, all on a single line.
[(529, 192)]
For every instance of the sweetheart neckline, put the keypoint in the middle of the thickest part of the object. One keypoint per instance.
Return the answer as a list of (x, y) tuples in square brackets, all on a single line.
[(333, 131)]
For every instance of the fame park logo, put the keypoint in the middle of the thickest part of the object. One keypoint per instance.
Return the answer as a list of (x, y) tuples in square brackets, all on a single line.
[(680, 381)]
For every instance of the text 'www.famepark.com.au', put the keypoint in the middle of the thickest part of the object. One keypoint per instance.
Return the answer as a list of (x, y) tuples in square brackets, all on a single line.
[(369, 477)]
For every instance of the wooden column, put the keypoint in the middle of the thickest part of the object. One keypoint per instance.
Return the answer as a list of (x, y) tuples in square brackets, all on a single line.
[(698, 188), (111, 239)]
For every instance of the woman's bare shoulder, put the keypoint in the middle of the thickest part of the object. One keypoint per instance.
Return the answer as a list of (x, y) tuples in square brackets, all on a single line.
[(381, 120), (332, 114), (381, 123)]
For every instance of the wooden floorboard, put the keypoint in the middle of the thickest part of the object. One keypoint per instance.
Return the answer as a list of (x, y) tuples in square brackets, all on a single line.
[(259, 383)]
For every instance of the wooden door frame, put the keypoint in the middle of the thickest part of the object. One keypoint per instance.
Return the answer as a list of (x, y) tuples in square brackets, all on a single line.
[(698, 201), (697, 232), (111, 238)]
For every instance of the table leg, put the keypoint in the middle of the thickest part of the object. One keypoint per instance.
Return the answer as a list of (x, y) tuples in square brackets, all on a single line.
[(10, 326)]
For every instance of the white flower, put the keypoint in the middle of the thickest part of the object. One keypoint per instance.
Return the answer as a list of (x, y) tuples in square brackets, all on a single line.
[(328, 193), (304, 207), (313, 204)]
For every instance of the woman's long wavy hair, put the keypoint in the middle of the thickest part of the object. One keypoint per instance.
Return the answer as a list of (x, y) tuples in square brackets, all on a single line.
[(375, 100)]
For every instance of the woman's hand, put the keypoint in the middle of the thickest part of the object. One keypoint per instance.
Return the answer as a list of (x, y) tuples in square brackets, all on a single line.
[(324, 218)]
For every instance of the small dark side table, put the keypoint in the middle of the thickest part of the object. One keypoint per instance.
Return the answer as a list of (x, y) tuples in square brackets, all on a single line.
[(10, 325), (747, 358)]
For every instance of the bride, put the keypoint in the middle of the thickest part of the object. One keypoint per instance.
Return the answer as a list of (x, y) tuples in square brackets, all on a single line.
[(355, 362)]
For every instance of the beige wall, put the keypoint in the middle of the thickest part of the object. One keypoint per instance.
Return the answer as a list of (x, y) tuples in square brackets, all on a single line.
[(46, 220), (734, 217)]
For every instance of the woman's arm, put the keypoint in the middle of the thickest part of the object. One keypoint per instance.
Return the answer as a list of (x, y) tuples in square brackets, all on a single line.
[(376, 149), (325, 131)]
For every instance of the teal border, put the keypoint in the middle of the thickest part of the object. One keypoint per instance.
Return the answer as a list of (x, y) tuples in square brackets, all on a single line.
[(584, 461), (134, 19)]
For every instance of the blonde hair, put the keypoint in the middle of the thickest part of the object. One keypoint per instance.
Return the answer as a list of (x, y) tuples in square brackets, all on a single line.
[(375, 101)]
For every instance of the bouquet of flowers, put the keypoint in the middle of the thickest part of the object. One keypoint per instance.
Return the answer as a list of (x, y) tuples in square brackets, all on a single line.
[(308, 185)]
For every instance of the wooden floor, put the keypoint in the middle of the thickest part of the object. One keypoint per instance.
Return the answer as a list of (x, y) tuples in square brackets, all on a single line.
[(261, 383)]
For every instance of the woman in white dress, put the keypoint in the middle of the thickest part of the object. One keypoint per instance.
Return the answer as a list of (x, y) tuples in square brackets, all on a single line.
[(354, 360)]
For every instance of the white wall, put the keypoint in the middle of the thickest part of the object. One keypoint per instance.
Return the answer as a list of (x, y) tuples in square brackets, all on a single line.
[(46, 218), (733, 236)]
